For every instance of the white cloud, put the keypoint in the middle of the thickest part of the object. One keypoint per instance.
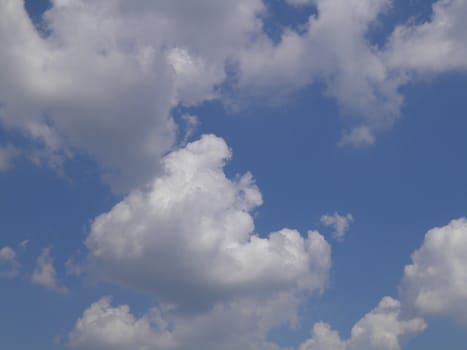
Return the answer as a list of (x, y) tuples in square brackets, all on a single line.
[(45, 275), (359, 136), (107, 74), (332, 48), (323, 338), (228, 326), (435, 283), (192, 230), (189, 239), (340, 224), (8, 263), (435, 46), (381, 329)]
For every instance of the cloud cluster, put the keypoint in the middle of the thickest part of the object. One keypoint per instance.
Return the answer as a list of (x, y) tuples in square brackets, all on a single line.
[(103, 78), (434, 284), (104, 75), (333, 48), (365, 78), (189, 239)]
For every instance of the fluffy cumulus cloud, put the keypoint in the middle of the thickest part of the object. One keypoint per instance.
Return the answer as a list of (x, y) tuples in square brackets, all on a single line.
[(358, 136), (436, 46), (333, 48), (189, 238), (340, 224), (380, 329), (8, 263), (435, 283), (105, 75), (45, 275), (228, 326)]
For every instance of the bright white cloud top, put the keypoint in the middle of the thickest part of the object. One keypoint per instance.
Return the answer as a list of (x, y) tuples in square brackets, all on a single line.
[(435, 283)]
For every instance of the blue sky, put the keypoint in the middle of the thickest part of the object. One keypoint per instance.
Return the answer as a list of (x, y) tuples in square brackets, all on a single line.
[(114, 185)]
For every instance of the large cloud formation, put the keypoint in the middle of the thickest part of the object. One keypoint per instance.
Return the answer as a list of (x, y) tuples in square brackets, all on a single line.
[(104, 75), (189, 238)]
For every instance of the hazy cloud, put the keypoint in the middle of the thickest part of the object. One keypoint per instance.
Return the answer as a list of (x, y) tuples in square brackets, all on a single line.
[(45, 275), (8, 263)]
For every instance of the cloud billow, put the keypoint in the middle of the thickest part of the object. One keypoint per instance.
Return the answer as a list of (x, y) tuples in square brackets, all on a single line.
[(189, 240), (192, 230)]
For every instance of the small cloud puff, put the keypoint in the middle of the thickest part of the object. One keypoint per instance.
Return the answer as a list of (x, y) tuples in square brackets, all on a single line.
[(361, 136), (340, 224), (45, 275), (8, 264)]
